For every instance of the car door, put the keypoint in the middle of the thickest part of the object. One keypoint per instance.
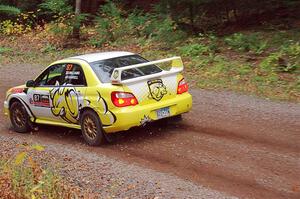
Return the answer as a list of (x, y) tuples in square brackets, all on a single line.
[(68, 98), (58, 93), (39, 95)]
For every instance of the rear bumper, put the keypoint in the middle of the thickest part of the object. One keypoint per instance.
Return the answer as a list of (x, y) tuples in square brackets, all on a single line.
[(138, 115)]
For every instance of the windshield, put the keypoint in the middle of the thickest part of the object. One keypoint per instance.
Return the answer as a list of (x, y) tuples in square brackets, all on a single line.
[(104, 68)]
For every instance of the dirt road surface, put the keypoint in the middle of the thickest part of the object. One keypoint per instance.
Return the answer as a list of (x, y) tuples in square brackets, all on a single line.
[(228, 145)]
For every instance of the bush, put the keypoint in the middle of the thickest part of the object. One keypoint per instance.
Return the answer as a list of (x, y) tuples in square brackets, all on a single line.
[(194, 50), (9, 10), (167, 31), (64, 19), (286, 60), (138, 22), (23, 177), (57, 8), (246, 43), (24, 23), (112, 24), (9, 27)]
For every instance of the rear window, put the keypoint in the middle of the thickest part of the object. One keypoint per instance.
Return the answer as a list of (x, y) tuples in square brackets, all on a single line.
[(104, 68)]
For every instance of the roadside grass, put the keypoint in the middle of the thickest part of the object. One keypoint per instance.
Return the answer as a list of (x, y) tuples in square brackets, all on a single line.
[(22, 177), (264, 63)]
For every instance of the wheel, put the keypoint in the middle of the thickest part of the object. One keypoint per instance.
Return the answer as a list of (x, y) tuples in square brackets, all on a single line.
[(19, 117), (91, 128)]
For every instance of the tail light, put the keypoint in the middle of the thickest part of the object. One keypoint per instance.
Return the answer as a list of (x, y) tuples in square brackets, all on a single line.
[(122, 99), (182, 86)]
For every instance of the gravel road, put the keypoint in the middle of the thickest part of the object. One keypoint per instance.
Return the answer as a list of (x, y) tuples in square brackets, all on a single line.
[(228, 145)]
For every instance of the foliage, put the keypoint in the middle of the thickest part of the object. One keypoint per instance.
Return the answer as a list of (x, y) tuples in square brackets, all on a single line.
[(195, 15), (138, 23), (24, 23), (167, 32), (63, 18), (109, 24), (285, 60), (4, 50), (246, 43), (56, 7), (9, 10), (48, 48), (207, 15), (9, 27), (113, 23), (25, 178), (202, 45), (194, 49), (194, 29)]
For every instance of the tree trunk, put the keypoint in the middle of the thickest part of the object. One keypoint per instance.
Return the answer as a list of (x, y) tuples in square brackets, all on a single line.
[(76, 26)]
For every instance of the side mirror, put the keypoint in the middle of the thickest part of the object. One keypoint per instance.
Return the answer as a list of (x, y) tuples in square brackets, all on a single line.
[(30, 83)]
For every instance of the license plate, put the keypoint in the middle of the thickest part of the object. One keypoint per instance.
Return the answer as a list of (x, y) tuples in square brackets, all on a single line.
[(163, 112)]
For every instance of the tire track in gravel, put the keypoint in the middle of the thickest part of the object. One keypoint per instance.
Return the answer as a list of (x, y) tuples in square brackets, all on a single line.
[(229, 142)]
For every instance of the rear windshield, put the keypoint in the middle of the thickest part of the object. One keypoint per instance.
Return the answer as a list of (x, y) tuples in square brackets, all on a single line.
[(104, 68)]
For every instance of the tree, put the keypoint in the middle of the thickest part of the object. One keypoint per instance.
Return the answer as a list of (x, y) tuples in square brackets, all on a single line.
[(77, 22)]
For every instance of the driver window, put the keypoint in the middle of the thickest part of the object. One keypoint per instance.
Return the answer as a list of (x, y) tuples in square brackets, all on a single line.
[(52, 76), (73, 76)]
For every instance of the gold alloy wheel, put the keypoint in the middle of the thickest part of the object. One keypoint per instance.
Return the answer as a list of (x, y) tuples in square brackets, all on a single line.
[(19, 117), (90, 128)]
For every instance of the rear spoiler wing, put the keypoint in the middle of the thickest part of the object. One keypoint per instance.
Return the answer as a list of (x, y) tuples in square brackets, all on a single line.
[(176, 63)]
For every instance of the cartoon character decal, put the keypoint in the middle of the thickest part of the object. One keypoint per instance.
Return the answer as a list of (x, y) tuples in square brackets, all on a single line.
[(157, 89), (67, 103), (107, 117)]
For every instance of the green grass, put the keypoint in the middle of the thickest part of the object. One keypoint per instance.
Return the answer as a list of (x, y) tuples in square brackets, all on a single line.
[(4, 50)]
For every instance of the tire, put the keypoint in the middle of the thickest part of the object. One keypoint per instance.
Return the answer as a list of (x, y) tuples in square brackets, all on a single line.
[(19, 117), (91, 128)]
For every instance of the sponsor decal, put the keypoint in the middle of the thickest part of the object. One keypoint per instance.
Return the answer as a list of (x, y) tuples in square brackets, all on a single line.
[(40, 100), (145, 120), (72, 74), (69, 67), (116, 74), (157, 89)]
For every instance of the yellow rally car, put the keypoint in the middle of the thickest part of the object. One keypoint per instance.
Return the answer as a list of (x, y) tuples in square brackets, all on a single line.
[(100, 93)]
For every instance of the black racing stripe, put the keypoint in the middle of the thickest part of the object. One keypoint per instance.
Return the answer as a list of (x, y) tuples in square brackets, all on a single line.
[(106, 109), (115, 118), (106, 106), (77, 100), (34, 118), (99, 94)]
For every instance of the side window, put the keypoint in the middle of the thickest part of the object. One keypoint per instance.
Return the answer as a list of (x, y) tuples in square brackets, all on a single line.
[(74, 75), (52, 76)]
